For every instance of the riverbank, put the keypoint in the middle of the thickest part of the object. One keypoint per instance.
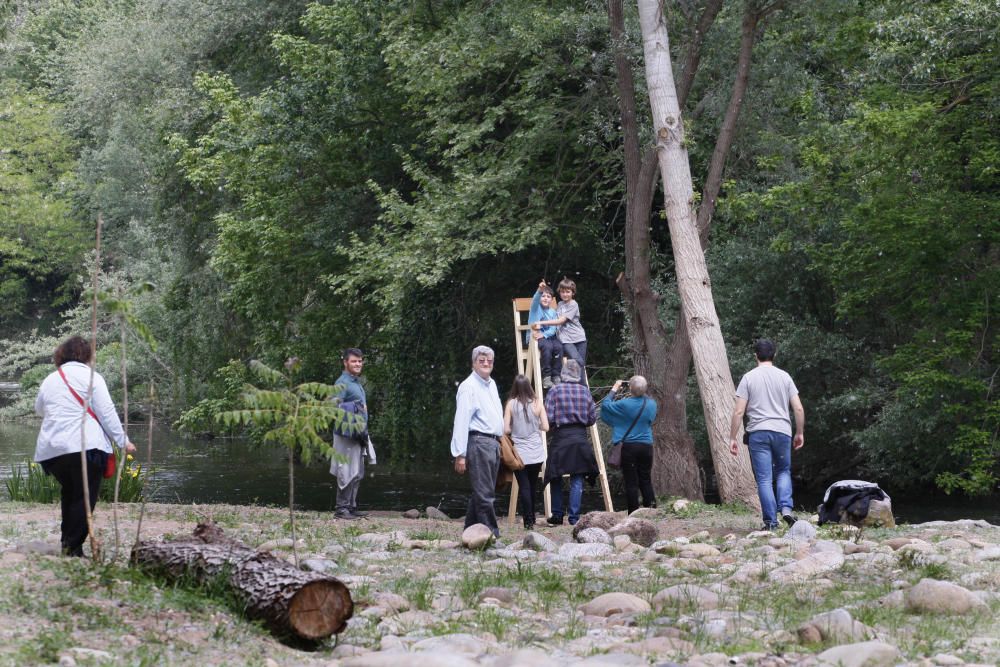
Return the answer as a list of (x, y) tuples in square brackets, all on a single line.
[(707, 591)]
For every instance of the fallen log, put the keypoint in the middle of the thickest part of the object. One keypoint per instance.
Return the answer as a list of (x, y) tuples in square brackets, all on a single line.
[(307, 605)]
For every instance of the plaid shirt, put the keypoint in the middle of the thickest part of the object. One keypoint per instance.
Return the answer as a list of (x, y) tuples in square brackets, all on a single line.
[(570, 403)]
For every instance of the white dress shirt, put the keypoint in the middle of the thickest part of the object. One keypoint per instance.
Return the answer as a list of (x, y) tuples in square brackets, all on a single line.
[(478, 409), (62, 414)]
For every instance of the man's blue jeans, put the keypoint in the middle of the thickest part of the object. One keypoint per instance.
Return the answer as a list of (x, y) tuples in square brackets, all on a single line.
[(771, 456), (575, 498)]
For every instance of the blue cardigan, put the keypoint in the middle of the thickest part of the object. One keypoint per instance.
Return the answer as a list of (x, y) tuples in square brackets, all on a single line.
[(619, 415)]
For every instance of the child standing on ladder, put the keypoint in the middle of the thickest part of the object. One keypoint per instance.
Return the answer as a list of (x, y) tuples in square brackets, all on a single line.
[(549, 347), (571, 333)]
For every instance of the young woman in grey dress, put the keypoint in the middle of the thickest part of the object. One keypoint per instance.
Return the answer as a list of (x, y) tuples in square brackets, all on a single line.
[(524, 419)]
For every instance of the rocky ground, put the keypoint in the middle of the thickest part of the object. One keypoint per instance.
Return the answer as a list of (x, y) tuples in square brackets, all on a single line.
[(685, 584)]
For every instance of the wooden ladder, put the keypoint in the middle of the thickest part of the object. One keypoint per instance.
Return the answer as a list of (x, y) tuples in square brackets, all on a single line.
[(528, 364)]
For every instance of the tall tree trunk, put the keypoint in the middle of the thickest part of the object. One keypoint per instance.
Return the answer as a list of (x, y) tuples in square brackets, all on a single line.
[(676, 470), (679, 349), (708, 350)]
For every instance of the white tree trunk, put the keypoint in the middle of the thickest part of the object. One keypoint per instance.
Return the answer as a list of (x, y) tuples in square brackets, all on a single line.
[(715, 382)]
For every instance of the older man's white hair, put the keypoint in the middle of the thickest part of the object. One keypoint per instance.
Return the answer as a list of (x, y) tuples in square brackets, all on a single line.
[(482, 351), (637, 386)]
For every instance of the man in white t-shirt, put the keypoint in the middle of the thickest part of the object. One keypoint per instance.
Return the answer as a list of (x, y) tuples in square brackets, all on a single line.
[(765, 394)]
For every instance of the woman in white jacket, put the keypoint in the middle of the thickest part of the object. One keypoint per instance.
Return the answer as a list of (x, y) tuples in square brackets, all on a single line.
[(60, 403)]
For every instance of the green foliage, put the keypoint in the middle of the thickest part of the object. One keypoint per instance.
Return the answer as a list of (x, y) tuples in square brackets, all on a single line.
[(29, 483), (41, 240), (884, 210), (296, 416)]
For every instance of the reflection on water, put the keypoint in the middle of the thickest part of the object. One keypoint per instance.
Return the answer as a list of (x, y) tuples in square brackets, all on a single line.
[(233, 472)]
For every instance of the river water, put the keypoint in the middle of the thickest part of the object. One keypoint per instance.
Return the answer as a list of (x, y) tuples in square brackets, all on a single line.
[(234, 472)]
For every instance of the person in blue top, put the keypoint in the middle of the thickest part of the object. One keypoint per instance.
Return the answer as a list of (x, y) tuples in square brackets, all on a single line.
[(353, 446), (631, 421), (549, 346), (475, 438)]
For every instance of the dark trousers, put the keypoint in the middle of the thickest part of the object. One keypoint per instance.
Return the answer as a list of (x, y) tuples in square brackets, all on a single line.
[(578, 352), (482, 462), (66, 470), (527, 485), (550, 351), (637, 462)]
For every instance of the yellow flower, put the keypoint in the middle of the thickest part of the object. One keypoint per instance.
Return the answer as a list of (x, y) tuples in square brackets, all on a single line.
[(135, 474), (129, 457)]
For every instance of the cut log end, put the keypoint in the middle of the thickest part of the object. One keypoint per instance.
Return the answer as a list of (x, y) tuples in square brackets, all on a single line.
[(320, 609)]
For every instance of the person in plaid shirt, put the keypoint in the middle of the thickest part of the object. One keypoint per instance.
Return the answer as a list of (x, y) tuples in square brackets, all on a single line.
[(570, 409)]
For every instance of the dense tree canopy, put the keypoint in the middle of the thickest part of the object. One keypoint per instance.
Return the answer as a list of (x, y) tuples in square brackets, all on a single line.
[(293, 178)]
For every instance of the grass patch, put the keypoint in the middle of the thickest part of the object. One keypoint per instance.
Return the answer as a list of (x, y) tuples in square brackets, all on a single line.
[(428, 534), (419, 592)]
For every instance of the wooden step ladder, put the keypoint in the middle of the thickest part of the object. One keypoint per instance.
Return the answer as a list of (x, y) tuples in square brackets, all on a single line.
[(528, 364)]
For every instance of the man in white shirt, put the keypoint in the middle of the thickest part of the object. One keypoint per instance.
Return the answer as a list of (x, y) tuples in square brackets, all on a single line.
[(475, 439), (765, 394)]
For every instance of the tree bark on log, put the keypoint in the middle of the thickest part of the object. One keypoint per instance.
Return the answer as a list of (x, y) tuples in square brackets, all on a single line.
[(292, 602)]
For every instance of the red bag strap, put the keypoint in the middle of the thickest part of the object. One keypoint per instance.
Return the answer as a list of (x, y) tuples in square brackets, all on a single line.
[(81, 402)]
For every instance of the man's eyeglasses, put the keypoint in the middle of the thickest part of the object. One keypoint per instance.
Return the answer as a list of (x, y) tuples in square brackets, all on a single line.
[(484, 360)]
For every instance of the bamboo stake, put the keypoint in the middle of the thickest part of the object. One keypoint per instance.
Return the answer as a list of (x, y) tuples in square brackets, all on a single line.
[(149, 462), (291, 485), (95, 547), (121, 464)]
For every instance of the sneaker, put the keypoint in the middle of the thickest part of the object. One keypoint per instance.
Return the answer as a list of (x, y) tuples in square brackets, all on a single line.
[(344, 515), (553, 521), (547, 383), (358, 514), (789, 519), (768, 527)]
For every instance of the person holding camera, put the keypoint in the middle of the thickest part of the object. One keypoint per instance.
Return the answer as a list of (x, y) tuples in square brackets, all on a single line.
[(631, 421)]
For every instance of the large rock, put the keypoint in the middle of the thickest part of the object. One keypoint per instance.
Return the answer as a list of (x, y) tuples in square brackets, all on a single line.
[(641, 531), (615, 603), (593, 536), (801, 531), (459, 642), (575, 550), (808, 567), (538, 542), (421, 659), (602, 520), (477, 536), (686, 595), (835, 626), (435, 513), (880, 514), (942, 597), (863, 654)]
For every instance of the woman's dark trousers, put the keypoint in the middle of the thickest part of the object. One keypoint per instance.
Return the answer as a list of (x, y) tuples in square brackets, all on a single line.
[(637, 464), (527, 485), (66, 470)]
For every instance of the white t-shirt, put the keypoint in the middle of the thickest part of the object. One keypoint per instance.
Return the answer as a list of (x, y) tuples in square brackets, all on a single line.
[(768, 391)]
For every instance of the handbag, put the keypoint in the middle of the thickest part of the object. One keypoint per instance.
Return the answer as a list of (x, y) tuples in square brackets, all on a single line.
[(109, 466), (615, 455), (508, 454)]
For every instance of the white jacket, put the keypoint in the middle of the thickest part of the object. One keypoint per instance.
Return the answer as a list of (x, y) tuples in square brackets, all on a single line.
[(62, 414)]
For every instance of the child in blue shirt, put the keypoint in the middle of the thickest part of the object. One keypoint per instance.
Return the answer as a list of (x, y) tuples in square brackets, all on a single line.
[(571, 333), (549, 347)]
